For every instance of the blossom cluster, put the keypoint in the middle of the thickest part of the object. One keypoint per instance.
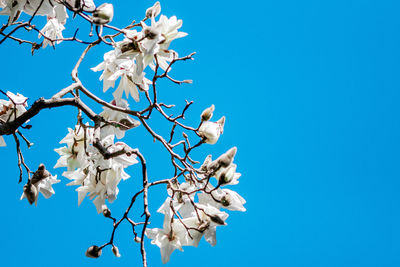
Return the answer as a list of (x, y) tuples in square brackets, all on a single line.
[(55, 12), (136, 51), (97, 177), (187, 221), (198, 198)]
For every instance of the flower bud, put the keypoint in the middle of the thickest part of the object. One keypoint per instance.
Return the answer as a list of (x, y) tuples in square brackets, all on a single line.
[(30, 192), (227, 158), (86, 5), (40, 174), (226, 200), (153, 11), (207, 113), (203, 226), (115, 250), (138, 239), (93, 252), (227, 174), (103, 14), (210, 131), (129, 123), (107, 212), (217, 219)]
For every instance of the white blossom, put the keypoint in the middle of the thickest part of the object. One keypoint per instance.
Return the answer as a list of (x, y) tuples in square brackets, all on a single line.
[(211, 217), (53, 31), (12, 8), (118, 65), (98, 178), (46, 7), (96, 163), (227, 199), (49, 8), (13, 107), (211, 131), (181, 202), (117, 116), (44, 186), (171, 237), (158, 39), (128, 80), (228, 175), (73, 155), (109, 66)]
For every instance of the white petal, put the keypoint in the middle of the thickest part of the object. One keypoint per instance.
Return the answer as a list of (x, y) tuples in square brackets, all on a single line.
[(2, 142), (210, 235)]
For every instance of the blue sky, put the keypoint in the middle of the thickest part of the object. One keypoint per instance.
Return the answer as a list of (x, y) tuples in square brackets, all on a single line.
[(310, 90)]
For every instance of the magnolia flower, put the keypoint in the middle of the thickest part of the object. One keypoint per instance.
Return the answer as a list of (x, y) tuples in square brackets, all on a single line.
[(172, 236), (69, 158), (12, 8), (210, 218), (109, 66), (185, 208), (60, 13), (117, 116), (49, 8), (43, 186), (158, 38), (53, 31), (117, 65), (126, 159), (42, 8), (128, 47), (74, 155), (227, 199), (12, 108), (132, 55), (77, 136), (98, 178), (127, 83), (181, 202), (211, 131), (169, 29), (103, 14), (100, 186), (77, 176), (228, 175), (150, 45)]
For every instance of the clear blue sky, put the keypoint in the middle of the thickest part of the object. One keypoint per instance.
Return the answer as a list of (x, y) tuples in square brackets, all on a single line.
[(311, 94)]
